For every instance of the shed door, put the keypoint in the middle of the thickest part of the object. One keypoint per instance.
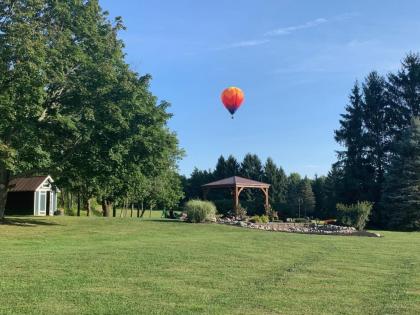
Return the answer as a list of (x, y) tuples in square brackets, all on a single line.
[(42, 203)]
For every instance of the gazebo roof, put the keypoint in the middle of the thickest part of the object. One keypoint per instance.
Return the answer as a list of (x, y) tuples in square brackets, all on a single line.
[(235, 181)]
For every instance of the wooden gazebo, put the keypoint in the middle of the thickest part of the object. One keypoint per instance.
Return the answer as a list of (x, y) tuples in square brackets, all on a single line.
[(237, 184)]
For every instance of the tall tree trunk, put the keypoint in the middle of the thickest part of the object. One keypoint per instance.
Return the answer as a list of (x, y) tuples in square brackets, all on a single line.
[(67, 200), (62, 199), (143, 210), (132, 209), (4, 182), (87, 206), (125, 208), (138, 210), (114, 210), (106, 208), (103, 208), (78, 204)]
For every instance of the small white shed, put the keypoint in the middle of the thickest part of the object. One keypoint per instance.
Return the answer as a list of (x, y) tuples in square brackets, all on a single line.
[(32, 196)]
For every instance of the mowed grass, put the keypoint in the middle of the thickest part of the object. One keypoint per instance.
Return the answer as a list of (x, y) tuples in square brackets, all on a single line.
[(70, 265)]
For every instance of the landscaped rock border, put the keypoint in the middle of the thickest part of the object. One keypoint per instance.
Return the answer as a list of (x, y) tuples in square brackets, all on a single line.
[(304, 228)]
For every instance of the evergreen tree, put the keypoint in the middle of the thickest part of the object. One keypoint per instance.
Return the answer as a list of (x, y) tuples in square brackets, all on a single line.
[(352, 136), (333, 190), (220, 171), (251, 167), (194, 183), (232, 166), (376, 117), (318, 188), (307, 198), (293, 197), (252, 199), (278, 180), (401, 198), (404, 92)]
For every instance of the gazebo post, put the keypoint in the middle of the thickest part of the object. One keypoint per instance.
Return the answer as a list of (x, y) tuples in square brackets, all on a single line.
[(265, 191), (235, 199)]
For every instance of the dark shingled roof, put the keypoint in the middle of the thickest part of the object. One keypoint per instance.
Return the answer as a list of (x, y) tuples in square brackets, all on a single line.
[(236, 181), (26, 183)]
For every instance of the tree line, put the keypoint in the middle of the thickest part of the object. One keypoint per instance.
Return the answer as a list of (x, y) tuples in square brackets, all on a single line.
[(379, 162), (291, 195), (71, 107)]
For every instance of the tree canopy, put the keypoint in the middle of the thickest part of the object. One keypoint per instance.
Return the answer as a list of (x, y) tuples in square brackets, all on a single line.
[(81, 113)]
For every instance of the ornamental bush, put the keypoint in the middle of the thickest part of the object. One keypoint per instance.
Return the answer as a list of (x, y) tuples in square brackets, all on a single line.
[(259, 219), (356, 215), (199, 211)]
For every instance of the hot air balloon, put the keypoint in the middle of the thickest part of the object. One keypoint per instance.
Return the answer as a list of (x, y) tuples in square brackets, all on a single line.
[(232, 98)]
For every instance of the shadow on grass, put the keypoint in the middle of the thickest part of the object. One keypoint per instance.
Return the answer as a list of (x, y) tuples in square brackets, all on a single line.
[(26, 222), (162, 220)]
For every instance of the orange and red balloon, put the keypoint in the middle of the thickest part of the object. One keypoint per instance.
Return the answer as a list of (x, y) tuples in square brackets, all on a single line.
[(232, 98)]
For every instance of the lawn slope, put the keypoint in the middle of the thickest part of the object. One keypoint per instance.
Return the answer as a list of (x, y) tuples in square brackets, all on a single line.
[(70, 265)]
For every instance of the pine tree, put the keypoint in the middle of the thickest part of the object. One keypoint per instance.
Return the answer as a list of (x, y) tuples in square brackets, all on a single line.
[(318, 188), (307, 197), (232, 166), (251, 167), (220, 171), (194, 183), (277, 179), (292, 197), (376, 117), (352, 136), (404, 92), (333, 190), (401, 197)]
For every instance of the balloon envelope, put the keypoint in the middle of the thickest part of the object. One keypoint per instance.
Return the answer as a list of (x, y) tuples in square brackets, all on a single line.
[(232, 98)]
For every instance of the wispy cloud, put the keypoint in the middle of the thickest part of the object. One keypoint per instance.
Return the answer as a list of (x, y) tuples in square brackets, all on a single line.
[(249, 43), (290, 29), (245, 43), (268, 36)]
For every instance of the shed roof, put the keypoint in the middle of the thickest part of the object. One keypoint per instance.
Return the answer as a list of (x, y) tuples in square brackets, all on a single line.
[(26, 183), (235, 181)]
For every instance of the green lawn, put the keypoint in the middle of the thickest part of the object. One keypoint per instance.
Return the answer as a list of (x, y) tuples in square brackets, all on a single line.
[(70, 265)]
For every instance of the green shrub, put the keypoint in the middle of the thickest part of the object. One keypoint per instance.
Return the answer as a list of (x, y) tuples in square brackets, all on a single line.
[(259, 219), (255, 219), (199, 211), (264, 219), (356, 215)]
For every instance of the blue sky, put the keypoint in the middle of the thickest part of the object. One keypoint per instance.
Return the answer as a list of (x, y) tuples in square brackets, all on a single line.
[(296, 62)]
